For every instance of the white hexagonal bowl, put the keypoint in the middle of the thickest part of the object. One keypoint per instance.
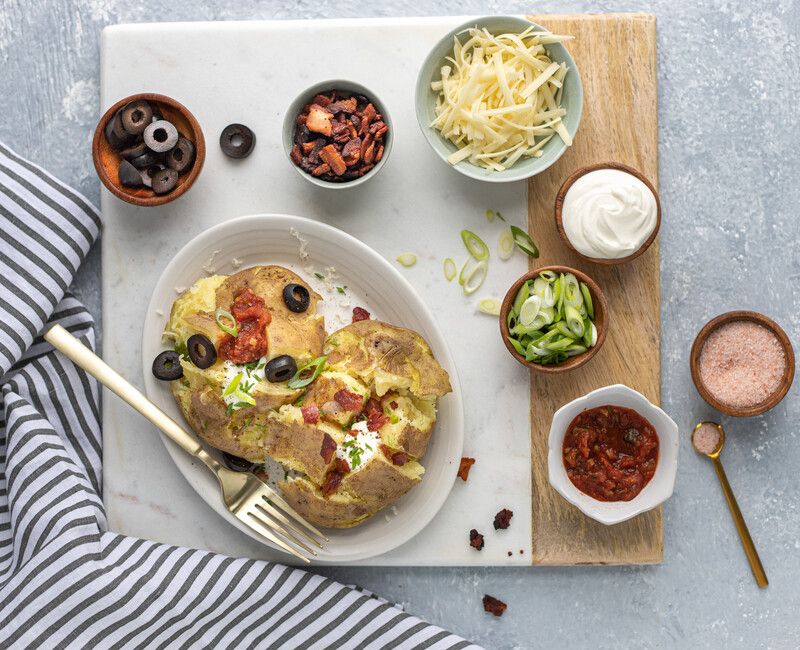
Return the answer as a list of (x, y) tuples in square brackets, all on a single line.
[(660, 487)]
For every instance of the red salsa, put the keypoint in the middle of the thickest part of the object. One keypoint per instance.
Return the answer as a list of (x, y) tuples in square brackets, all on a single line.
[(610, 453), (252, 318)]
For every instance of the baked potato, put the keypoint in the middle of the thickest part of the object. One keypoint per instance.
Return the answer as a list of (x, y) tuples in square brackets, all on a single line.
[(351, 439)]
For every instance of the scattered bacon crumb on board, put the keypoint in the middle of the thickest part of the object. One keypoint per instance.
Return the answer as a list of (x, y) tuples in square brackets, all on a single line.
[(493, 605), (464, 467)]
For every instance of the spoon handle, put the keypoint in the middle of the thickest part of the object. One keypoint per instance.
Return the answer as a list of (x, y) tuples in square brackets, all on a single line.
[(741, 526)]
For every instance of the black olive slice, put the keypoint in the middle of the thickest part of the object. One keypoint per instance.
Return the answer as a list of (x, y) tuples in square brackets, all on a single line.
[(164, 180), (237, 141), (161, 136), (136, 116), (129, 176), (167, 366), (280, 369), (134, 151), (236, 463), (116, 136), (296, 297), (201, 351), (147, 159), (147, 174), (181, 156)]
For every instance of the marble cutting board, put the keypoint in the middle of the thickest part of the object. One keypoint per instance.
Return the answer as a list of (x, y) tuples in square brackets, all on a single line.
[(249, 72)]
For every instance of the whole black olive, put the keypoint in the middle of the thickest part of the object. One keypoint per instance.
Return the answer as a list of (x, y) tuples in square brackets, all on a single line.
[(167, 366), (237, 464), (129, 176), (201, 351), (136, 117), (164, 180), (296, 297), (161, 136), (181, 156), (237, 141), (280, 369)]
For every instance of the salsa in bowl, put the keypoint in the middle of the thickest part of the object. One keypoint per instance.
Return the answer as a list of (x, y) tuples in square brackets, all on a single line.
[(613, 454)]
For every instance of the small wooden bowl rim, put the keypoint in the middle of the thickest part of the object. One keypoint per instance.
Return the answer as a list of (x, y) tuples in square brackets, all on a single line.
[(598, 301), (562, 193), (700, 341), (120, 192)]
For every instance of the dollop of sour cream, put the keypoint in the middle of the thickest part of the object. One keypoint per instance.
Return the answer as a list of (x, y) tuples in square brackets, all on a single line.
[(248, 377), (358, 449), (608, 214)]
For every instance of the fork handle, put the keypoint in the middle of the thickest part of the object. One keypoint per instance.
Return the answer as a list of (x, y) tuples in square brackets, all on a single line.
[(83, 357)]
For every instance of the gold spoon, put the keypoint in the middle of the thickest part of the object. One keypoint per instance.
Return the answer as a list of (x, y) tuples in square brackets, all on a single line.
[(706, 444)]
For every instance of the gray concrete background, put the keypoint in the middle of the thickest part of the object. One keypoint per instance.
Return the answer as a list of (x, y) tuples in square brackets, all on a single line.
[(729, 86)]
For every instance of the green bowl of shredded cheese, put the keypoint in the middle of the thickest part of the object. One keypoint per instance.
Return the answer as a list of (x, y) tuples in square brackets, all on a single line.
[(499, 98)]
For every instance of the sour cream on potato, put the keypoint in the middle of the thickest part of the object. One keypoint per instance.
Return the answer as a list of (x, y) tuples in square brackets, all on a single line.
[(357, 450), (608, 214)]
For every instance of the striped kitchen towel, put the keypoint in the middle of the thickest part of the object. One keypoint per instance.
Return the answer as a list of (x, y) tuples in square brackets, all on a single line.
[(65, 579)]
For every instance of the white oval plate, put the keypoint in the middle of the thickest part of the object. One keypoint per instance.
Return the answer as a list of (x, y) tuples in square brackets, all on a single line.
[(371, 283)]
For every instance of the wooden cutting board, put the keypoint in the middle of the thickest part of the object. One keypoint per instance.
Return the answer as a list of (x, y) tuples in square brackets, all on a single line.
[(616, 55)]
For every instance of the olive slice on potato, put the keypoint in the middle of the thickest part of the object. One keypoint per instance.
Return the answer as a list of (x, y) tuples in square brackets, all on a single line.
[(167, 366), (280, 369), (201, 351)]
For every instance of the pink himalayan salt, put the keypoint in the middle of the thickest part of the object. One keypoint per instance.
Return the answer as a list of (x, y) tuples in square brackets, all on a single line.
[(706, 438), (742, 363)]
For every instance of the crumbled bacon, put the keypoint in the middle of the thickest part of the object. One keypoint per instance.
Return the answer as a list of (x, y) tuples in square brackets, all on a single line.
[(464, 467), (348, 400), (328, 448), (502, 519), (493, 606), (332, 481), (359, 313), (332, 157), (310, 414), (393, 404), (475, 540), (319, 120), (376, 420), (398, 458)]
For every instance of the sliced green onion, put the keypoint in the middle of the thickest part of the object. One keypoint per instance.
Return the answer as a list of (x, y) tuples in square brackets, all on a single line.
[(572, 291), (559, 344), (522, 296), (517, 346), (574, 321), (544, 290), (475, 245), (562, 327), (449, 269), (489, 215), (548, 313), (221, 314), (407, 259), (233, 385), (511, 319), (245, 397), (475, 279), (590, 336), (308, 373), (587, 299), (524, 242), (500, 216), (505, 244), (574, 350), (469, 267), (548, 275), (489, 306), (530, 310)]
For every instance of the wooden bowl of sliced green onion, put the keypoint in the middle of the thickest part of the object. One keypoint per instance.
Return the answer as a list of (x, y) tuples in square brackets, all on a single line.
[(554, 319)]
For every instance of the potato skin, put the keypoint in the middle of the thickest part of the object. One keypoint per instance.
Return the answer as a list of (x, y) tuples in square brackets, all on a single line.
[(336, 511)]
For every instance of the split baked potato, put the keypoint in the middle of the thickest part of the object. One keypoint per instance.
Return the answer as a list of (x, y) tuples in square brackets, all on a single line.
[(351, 436)]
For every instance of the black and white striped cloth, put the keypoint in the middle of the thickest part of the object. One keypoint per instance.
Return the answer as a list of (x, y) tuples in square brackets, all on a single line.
[(65, 579)]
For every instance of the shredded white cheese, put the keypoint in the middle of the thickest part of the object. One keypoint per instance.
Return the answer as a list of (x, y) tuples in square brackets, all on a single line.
[(500, 97)]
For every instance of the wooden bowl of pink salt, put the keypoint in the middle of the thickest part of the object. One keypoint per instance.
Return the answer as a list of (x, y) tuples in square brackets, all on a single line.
[(742, 363)]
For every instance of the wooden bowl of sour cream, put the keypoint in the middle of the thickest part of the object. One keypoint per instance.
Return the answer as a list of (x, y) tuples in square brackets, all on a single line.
[(629, 228)]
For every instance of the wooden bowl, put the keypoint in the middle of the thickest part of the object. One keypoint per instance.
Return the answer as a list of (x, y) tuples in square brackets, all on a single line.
[(697, 348), (562, 193), (600, 320), (106, 160)]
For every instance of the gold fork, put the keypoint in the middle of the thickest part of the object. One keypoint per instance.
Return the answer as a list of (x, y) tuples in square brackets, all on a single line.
[(247, 497)]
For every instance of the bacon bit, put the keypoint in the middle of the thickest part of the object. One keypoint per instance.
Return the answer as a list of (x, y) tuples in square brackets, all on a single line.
[(464, 467), (372, 406), (324, 168), (331, 156), (493, 606), (332, 481), (328, 447), (319, 120), (342, 466), (310, 414), (348, 400), (307, 147), (502, 519), (369, 114), (343, 106), (393, 404), (296, 156), (475, 540), (351, 152), (359, 313), (321, 100), (398, 458), (261, 474), (379, 155), (375, 421)]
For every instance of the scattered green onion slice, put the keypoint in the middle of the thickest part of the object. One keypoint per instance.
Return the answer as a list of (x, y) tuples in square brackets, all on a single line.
[(587, 300), (505, 244), (475, 245), (450, 269), (469, 267), (475, 278), (524, 242), (247, 398), (233, 385), (407, 259), (221, 314), (489, 215), (489, 306), (307, 373)]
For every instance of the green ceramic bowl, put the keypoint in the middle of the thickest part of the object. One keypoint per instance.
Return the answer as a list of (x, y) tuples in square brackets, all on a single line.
[(323, 87), (572, 100)]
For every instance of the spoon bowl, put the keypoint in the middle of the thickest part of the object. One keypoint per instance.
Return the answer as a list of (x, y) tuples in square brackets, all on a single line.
[(703, 439)]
